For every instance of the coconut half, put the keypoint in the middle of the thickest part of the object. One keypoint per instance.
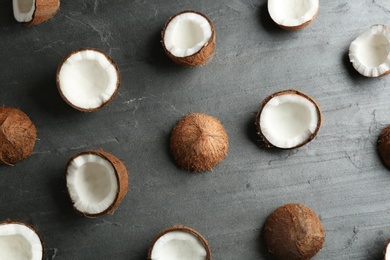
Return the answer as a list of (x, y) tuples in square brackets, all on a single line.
[(293, 14), (17, 135), (33, 12), (19, 241), (97, 182), (386, 250), (288, 119), (179, 243), (369, 52), (88, 79), (188, 38)]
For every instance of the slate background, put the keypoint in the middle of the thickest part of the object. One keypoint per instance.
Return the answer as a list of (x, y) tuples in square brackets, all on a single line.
[(338, 175)]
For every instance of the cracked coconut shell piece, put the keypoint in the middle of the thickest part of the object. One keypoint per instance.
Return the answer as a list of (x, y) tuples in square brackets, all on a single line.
[(17, 135), (288, 119), (20, 241), (293, 232), (188, 38), (199, 142), (179, 243), (97, 182), (33, 12)]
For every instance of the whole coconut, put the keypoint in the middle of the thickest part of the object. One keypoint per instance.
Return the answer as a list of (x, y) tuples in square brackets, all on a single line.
[(293, 231), (199, 142), (17, 135), (384, 146)]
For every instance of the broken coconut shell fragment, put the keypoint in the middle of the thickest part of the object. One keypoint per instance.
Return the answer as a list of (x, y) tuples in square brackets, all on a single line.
[(293, 14), (17, 135), (384, 146), (369, 52), (288, 119), (88, 79), (294, 232), (33, 12), (97, 182), (188, 38), (199, 142), (179, 243), (20, 241)]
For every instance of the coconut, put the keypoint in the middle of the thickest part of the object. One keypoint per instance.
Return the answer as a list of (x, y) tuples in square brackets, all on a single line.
[(369, 52), (384, 146), (188, 38), (33, 12), (293, 14), (294, 232), (97, 182), (288, 119), (19, 241), (88, 79), (17, 135), (179, 243), (386, 250), (199, 142)]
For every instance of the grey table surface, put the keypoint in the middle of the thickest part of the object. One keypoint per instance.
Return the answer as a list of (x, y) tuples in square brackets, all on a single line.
[(339, 174)]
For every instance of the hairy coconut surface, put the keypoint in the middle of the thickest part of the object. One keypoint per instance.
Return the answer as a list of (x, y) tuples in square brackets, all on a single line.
[(17, 135), (384, 146), (97, 182), (33, 12), (293, 231), (179, 243), (19, 241), (199, 142), (188, 38)]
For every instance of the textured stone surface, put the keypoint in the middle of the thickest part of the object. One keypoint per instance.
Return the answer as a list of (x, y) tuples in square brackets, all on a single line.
[(339, 174)]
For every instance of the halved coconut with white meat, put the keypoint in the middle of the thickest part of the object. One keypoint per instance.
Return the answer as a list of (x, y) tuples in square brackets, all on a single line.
[(293, 14), (88, 79), (188, 38), (97, 182), (288, 119), (19, 241), (179, 243), (369, 52), (33, 12)]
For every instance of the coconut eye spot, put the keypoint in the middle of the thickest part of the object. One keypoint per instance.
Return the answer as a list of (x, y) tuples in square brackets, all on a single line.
[(374, 50)]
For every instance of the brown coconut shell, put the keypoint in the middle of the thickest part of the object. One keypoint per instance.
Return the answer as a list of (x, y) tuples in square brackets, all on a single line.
[(121, 175), (199, 58), (59, 83), (385, 249), (17, 135), (294, 232), (182, 229), (199, 142), (384, 146), (10, 221), (44, 10), (298, 27), (267, 143)]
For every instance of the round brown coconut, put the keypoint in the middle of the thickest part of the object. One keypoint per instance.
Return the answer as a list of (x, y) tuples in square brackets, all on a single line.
[(266, 142), (293, 231), (181, 229), (106, 102), (199, 142), (43, 10), (199, 58), (17, 135), (384, 146), (121, 177)]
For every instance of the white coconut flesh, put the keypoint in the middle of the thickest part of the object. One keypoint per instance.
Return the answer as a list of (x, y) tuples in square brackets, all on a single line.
[(291, 13), (23, 10), (92, 183), (178, 245), (288, 120), (387, 252), (20, 242), (369, 53), (88, 79), (186, 34)]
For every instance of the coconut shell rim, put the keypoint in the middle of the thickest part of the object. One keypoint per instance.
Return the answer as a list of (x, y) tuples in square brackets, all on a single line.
[(113, 205), (112, 63), (267, 143), (183, 229), (33, 22), (180, 60)]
